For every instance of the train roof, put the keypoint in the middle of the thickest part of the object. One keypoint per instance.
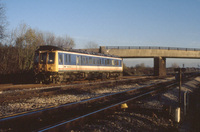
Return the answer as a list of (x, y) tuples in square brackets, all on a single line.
[(53, 48)]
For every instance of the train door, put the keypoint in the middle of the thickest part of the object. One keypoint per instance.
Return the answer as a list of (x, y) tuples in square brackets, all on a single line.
[(60, 62), (43, 61), (78, 62)]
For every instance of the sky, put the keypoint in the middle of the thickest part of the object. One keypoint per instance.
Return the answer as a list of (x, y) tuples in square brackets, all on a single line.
[(166, 23)]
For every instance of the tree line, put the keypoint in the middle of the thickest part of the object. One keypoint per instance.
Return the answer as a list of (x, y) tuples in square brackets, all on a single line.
[(17, 52), (17, 48)]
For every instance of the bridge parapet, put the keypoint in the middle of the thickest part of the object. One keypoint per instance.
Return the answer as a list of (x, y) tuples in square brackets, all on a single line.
[(151, 47)]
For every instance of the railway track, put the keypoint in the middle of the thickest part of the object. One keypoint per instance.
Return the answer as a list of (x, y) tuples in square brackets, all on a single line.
[(25, 101), (20, 94), (9, 88), (64, 117)]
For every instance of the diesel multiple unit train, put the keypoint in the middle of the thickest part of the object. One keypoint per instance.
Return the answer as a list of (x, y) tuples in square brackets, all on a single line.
[(54, 65)]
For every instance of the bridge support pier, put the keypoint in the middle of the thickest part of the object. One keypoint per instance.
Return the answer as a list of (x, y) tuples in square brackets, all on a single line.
[(160, 66)]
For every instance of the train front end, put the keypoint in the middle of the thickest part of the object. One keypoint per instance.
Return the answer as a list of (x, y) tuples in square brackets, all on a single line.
[(45, 68)]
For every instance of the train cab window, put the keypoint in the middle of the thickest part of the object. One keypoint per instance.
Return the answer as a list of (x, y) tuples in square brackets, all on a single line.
[(60, 59), (43, 58), (51, 58)]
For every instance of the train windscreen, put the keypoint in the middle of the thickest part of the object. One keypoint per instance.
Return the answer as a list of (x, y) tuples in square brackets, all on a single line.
[(51, 58), (43, 58), (36, 58)]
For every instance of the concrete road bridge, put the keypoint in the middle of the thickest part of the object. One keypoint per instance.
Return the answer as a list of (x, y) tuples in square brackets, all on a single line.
[(158, 53)]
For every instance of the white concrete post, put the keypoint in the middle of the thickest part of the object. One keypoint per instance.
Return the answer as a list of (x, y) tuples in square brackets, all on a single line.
[(177, 114)]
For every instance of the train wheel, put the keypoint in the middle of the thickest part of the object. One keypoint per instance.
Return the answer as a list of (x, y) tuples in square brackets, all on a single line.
[(107, 76), (71, 78), (54, 80), (39, 79), (57, 80), (103, 76)]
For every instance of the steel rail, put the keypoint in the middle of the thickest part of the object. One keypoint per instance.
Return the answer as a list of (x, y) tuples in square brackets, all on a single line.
[(34, 115), (69, 85), (63, 125), (60, 106)]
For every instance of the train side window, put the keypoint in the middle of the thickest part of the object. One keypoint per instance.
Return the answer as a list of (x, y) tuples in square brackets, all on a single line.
[(86, 60), (66, 58), (97, 61), (93, 60), (90, 60), (69, 58), (83, 60), (116, 63), (60, 59), (108, 62), (100, 61)]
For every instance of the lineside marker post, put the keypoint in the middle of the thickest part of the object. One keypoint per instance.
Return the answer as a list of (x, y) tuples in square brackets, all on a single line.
[(179, 80)]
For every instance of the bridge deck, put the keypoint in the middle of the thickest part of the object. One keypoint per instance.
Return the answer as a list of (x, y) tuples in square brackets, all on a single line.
[(151, 52)]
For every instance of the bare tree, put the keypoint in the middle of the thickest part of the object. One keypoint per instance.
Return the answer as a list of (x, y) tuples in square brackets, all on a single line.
[(26, 40), (49, 38), (92, 45), (142, 65), (175, 65), (69, 42), (59, 42), (66, 42), (3, 21)]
